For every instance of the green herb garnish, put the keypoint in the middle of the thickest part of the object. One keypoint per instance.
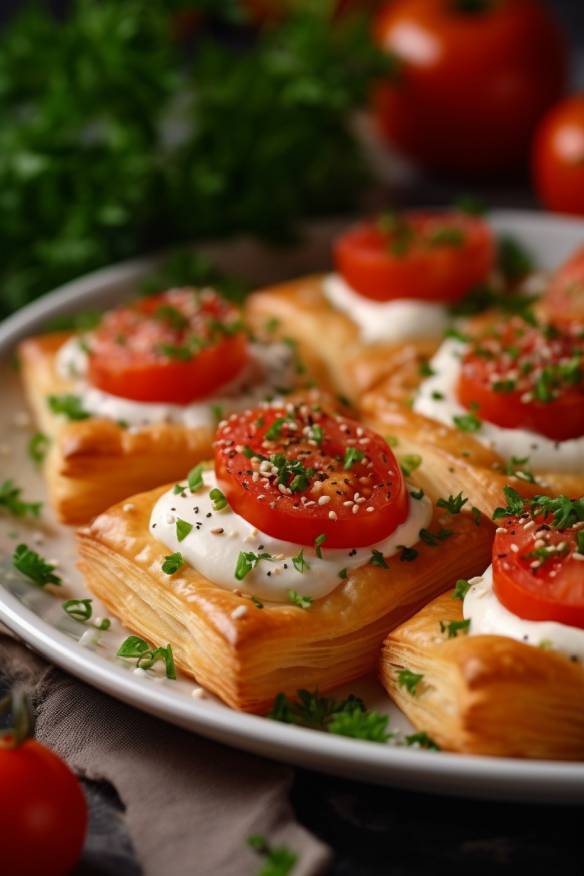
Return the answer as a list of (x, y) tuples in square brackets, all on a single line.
[(453, 628), (218, 499), (37, 447), (300, 601), (183, 528), (31, 564), (461, 588), (409, 463), (248, 560), (410, 680), (454, 504), (377, 559), (10, 498), (68, 405), (195, 478), (172, 563), (318, 543), (299, 563), (352, 455), (136, 648)]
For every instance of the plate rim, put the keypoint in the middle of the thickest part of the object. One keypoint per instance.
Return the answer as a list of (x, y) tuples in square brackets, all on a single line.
[(432, 772)]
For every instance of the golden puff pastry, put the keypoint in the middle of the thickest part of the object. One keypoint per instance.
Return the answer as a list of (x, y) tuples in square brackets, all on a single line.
[(244, 654), (484, 694), (94, 462), (454, 460), (299, 309)]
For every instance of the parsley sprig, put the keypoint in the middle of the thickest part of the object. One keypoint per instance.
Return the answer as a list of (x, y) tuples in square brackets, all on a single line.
[(560, 511), (347, 717), (31, 564), (10, 498)]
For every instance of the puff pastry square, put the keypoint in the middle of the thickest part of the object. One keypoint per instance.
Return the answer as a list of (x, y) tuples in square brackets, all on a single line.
[(304, 313), (485, 694), (248, 658)]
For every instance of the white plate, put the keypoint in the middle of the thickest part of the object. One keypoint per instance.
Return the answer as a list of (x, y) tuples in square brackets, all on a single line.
[(37, 617)]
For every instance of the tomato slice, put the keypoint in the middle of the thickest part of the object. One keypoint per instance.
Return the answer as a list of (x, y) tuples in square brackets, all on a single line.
[(538, 568), (433, 256), (564, 298), (519, 375), (299, 473), (176, 347)]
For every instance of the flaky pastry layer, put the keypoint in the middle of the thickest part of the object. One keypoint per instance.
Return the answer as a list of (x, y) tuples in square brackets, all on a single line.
[(246, 660), (485, 694)]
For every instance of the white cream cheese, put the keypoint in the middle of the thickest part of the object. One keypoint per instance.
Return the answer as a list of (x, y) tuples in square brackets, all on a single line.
[(489, 617), (213, 546), (271, 366), (436, 398), (402, 319)]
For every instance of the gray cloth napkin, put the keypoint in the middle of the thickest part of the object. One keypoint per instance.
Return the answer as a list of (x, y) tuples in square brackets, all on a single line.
[(190, 804)]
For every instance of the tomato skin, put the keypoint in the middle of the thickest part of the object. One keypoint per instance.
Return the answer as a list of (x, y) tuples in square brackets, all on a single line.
[(471, 87), (563, 300), (385, 501), (558, 157), (429, 272), (559, 418), (536, 594), (43, 814), (137, 369)]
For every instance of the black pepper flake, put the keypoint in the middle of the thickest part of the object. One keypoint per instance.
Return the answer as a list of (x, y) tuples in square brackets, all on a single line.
[(208, 514)]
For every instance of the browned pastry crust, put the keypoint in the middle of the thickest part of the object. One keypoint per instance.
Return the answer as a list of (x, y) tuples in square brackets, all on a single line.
[(305, 314), (95, 462), (485, 694), (453, 460), (247, 660)]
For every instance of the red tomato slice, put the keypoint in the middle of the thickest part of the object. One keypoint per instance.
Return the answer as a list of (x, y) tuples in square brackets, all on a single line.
[(298, 473), (176, 347), (564, 298), (428, 255), (536, 571), (523, 376)]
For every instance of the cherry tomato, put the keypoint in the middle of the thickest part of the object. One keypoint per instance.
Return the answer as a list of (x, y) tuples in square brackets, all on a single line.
[(475, 78), (564, 298), (558, 157), (535, 573), (43, 815), (435, 256), (299, 473), (524, 376), (175, 347)]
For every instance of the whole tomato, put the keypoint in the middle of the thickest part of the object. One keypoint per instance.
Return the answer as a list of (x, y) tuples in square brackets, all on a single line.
[(43, 815), (558, 157), (475, 78)]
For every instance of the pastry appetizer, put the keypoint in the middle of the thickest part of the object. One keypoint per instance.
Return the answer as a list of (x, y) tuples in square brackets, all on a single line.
[(505, 400), (134, 403), (497, 666), (284, 565), (389, 298)]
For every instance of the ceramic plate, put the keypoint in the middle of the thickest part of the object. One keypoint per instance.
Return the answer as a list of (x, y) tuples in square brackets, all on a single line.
[(38, 618)]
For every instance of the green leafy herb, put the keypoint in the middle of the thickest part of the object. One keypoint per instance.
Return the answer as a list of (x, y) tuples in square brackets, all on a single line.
[(275, 430), (461, 588), (179, 490), (171, 316), (454, 504), (31, 564), (343, 574), (183, 527), (409, 463), (300, 601), (68, 405), (377, 559), (456, 334), (417, 494), (172, 563), (318, 543), (518, 467), (37, 447), (476, 515), (136, 648), (425, 369), (299, 563), (272, 325), (248, 560), (195, 478), (410, 680), (278, 860), (453, 628), (82, 610), (392, 440), (257, 602), (407, 554), (422, 740), (316, 433), (352, 455), (504, 386), (580, 541), (467, 422), (433, 539), (513, 259), (358, 724), (218, 499), (347, 717), (10, 499)]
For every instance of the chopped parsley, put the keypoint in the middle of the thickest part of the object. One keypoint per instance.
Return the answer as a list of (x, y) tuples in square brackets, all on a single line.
[(318, 543), (172, 563), (467, 422), (347, 717), (344, 574), (358, 724), (37, 447), (248, 560), (299, 563), (580, 541), (179, 490), (315, 433), (278, 860), (410, 680), (256, 601), (518, 467), (299, 601), (454, 504), (514, 261), (31, 564), (171, 316), (183, 528), (422, 740), (425, 369), (407, 554), (564, 512), (352, 455), (433, 539), (195, 478), (275, 430), (377, 559), (417, 494), (68, 405), (461, 588), (409, 463), (218, 499), (10, 498), (453, 628)]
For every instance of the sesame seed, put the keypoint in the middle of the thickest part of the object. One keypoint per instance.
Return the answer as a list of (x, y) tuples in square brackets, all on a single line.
[(370, 508), (239, 611), (324, 500), (332, 515)]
